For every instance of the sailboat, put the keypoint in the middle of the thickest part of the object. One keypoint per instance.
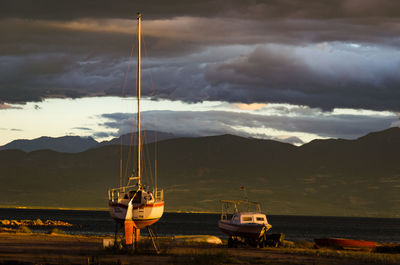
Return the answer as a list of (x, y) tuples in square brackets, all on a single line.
[(135, 205)]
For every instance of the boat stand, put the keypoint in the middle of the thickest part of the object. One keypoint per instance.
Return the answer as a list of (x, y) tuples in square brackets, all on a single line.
[(127, 237), (119, 236), (154, 240), (132, 240)]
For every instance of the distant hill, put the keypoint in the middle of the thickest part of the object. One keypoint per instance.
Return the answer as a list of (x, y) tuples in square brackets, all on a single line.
[(67, 144), (324, 177), (76, 144)]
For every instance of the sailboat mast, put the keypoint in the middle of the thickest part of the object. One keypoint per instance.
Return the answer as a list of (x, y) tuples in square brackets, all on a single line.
[(139, 169)]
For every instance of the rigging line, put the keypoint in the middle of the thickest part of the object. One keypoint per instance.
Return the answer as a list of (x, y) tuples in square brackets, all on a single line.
[(155, 117), (132, 141), (120, 128), (150, 175), (129, 152), (134, 137), (146, 154), (128, 159)]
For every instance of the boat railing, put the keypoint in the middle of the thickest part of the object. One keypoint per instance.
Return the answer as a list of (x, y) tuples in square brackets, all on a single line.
[(113, 194), (233, 206), (159, 194)]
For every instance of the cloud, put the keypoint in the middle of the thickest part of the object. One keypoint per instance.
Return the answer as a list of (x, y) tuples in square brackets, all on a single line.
[(104, 134), (82, 128), (205, 123), (252, 106), (363, 78), (4, 106), (323, 54), (73, 9), (293, 140)]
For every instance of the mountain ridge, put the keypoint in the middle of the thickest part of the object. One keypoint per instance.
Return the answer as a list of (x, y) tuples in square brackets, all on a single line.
[(354, 178), (77, 144)]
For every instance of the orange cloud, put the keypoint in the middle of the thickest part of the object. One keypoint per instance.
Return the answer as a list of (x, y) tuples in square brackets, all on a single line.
[(7, 106), (253, 106)]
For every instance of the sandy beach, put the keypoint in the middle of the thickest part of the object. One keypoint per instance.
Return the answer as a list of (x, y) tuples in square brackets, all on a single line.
[(21, 248)]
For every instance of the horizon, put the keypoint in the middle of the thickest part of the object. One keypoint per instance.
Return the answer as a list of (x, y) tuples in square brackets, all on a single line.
[(186, 212), (185, 136)]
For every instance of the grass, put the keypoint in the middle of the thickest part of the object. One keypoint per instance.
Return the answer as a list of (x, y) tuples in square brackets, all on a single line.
[(362, 256), (390, 248), (24, 229), (195, 253), (196, 256), (56, 231)]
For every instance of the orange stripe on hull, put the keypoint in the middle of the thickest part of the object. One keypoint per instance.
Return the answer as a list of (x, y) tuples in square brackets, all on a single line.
[(137, 207)]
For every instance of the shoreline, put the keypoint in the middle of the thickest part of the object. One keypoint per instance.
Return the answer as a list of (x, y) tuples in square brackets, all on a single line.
[(182, 211)]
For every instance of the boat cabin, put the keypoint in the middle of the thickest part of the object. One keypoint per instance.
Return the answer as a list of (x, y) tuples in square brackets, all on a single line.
[(249, 218), (138, 197)]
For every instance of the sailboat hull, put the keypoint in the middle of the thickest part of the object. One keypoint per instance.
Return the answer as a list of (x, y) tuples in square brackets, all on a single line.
[(117, 211), (142, 215)]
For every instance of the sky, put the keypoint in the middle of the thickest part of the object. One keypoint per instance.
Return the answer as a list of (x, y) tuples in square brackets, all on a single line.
[(291, 71)]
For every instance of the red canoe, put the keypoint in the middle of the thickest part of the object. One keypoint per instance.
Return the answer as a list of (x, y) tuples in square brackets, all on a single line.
[(344, 243)]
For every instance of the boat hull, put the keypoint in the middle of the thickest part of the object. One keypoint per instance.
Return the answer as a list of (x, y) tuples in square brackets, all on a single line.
[(248, 230), (117, 211), (141, 215), (344, 243)]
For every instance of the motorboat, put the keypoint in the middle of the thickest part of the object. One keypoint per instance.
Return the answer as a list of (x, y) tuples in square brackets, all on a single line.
[(243, 225)]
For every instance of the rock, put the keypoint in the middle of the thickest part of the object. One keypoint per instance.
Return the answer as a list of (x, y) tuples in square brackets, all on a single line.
[(49, 222), (38, 222), (15, 222), (27, 222), (5, 222)]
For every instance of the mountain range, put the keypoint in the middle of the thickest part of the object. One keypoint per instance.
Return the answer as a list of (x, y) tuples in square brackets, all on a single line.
[(332, 177), (76, 144)]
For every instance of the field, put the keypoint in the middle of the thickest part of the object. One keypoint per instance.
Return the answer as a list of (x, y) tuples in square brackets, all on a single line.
[(28, 248)]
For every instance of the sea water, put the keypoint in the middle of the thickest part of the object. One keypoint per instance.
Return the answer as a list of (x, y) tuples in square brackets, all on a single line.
[(294, 227)]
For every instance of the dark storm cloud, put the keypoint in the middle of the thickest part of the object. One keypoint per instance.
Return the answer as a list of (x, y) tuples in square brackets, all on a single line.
[(341, 79), (204, 50), (220, 122), (73, 9)]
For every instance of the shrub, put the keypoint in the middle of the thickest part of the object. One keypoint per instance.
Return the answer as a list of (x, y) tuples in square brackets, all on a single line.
[(24, 229), (56, 231)]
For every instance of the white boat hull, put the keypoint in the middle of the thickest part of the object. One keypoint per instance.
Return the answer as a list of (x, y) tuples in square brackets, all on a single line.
[(247, 230), (142, 215)]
